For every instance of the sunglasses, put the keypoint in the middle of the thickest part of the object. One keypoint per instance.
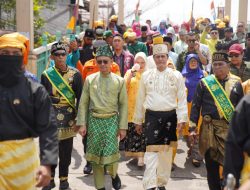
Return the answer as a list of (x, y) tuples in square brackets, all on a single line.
[(234, 55), (102, 61), (191, 41), (59, 54)]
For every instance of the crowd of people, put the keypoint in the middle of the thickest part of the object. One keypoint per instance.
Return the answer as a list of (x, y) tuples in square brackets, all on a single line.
[(128, 89)]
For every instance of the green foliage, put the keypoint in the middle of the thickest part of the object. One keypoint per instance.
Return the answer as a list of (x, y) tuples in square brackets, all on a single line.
[(50, 38), (9, 7)]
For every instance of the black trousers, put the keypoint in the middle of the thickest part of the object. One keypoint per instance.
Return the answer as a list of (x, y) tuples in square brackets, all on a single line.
[(84, 142), (213, 173), (65, 150)]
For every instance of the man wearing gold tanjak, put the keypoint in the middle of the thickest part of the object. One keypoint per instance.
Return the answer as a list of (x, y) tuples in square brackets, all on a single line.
[(158, 92), (26, 112), (215, 98), (64, 85)]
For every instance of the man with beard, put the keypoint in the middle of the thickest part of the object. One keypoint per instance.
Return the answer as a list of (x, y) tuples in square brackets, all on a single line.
[(26, 112)]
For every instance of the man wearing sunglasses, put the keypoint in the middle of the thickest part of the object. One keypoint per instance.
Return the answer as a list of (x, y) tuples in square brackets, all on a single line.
[(193, 47), (225, 89), (240, 33), (214, 36), (64, 85), (102, 115), (237, 64)]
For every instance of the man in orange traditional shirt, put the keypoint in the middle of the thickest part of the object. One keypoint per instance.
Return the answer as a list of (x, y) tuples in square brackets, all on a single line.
[(91, 67)]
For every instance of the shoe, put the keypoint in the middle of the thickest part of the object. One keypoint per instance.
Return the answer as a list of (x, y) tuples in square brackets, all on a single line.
[(196, 163), (88, 168), (161, 188), (140, 162), (101, 189), (50, 186), (173, 167), (116, 182), (151, 189), (64, 185)]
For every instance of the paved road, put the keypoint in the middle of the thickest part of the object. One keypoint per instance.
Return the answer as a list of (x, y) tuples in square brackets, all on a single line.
[(185, 175)]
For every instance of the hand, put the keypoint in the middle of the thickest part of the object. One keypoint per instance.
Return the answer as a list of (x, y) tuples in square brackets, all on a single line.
[(207, 28), (179, 128), (245, 186), (138, 129), (43, 176), (75, 128), (73, 45), (197, 46), (122, 133), (82, 130)]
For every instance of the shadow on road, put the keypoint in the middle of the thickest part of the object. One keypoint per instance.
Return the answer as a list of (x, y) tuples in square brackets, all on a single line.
[(78, 159)]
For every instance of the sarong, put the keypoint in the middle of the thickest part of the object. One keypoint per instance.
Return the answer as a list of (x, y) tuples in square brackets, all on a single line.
[(65, 117), (213, 134), (102, 141), (160, 130), (134, 143), (18, 164)]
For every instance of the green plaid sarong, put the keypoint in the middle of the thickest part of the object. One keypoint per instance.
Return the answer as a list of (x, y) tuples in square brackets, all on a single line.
[(102, 142)]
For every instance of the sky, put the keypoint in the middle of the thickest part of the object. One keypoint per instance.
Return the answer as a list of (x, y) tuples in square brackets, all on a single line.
[(177, 10)]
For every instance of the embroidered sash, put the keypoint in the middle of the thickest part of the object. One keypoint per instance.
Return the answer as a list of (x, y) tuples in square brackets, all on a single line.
[(60, 85), (219, 95)]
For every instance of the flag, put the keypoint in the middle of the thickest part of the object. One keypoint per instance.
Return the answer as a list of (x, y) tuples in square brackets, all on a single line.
[(72, 23), (192, 20), (213, 13), (137, 11)]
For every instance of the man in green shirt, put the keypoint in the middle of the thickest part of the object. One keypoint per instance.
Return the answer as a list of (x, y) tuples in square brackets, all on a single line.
[(103, 115), (135, 46)]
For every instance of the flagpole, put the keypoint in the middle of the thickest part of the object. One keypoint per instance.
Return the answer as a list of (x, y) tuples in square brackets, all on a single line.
[(77, 9)]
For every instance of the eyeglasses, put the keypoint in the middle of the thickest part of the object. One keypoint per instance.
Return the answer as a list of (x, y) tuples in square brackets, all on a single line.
[(240, 26), (59, 54), (234, 55), (191, 41), (214, 33), (102, 61)]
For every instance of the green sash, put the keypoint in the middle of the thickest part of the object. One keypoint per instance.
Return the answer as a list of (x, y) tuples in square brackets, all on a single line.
[(219, 96), (60, 85)]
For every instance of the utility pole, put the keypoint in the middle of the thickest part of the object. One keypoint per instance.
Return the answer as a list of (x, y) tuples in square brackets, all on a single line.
[(93, 10), (121, 12), (243, 4), (228, 8), (24, 19)]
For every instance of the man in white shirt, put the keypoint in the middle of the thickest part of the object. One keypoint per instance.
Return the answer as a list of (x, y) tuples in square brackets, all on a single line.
[(181, 45), (169, 42), (157, 98)]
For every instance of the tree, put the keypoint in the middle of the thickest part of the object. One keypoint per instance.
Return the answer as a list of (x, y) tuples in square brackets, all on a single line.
[(8, 17)]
